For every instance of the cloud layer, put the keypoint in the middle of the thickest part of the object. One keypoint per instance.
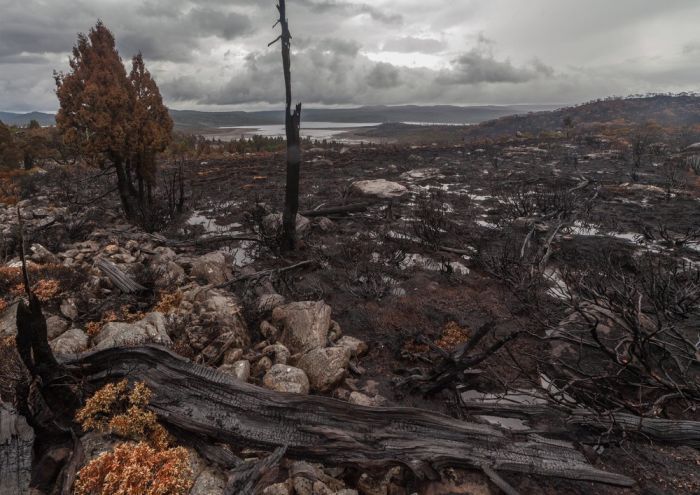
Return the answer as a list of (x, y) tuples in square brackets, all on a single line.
[(213, 54)]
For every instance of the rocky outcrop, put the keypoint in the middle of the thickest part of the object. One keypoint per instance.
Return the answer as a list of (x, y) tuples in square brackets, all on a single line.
[(304, 325), (72, 341), (149, 330), (212, 268), (378, 188)]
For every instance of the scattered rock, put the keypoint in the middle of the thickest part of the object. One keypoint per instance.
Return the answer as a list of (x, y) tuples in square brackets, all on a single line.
[(42, 255), (233, 355), (304, 325), (269, 331), (365, 400), (268, 302), (55, 326), (325, 367), (263, 365), (325, 224), (279, 352), (150, 330), (69, 308), (111, 249), (8, 321), (72, 341), (209, 482), (277, 489), (283, 378), (334, 331), (273, 222), (167, 274), (212, 268), (378, 188), (356, 347), (240, 369)]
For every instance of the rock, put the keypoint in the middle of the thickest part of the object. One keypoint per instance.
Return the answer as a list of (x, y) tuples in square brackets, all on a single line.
[(69, 308), (268, 302), (55, 326), (240, 369), (279, 352), (283, 378), (365, 400), (207, 313), (72, 341), (277, 489), (16, 452), (325, 367), (209, 482), (421, 173), (263, 365), (356, 346), (320, 488), (378, 188), (268, 331), (8, 321), (233, 355), (42, 255), (304, 325), (334, 331), (150, 330), (212, 268), (325, 224), (168, 274), (346, 491), (111, 249), (273, 222)]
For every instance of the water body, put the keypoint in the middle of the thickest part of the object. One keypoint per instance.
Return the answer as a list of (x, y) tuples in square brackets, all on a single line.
[(313, 130)]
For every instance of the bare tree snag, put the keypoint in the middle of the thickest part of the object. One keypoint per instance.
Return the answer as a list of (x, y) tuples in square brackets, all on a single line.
[(210, 404), (292, 124)]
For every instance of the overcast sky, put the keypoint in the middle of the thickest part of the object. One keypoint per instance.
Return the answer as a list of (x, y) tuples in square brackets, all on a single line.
[(213, 54)]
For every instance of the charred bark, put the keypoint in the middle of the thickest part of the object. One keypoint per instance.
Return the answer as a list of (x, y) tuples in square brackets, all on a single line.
[(292, 125), (210, 404)]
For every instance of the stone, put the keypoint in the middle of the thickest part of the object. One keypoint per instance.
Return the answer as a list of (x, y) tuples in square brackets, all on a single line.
[(150, 330), (168, 274), (365, 400), (283, 378), (325, 367), (273, 222), (72, 341), (277, 489), (111, 249), (334, 331), (233, 355), (269, 331), (263, 365), (8, 321), (325, 224), (69, 308), (320, 488), (378, 188), (240, 369), (268, 302), (42, 255), (356, 347), (304, 325), (280, 354), (209, 482), (55, 326), (212, 268)]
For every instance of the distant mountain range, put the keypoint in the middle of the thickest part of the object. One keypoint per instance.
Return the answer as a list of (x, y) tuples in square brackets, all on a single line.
[(443, 114)]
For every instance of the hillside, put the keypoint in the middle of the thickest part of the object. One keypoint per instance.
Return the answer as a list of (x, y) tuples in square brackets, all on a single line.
[(23, 119)]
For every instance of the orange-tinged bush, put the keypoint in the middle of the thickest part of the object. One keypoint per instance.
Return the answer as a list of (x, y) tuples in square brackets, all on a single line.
[(148, 467), (168, 302), (47, 289), (136, 470)]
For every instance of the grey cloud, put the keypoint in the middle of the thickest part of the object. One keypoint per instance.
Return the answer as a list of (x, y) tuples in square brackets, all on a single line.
[(351, 9), (479, 66), (383, 76), (411, 44)]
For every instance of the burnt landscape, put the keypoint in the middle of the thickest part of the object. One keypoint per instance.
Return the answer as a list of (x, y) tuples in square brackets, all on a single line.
[(506, 307)]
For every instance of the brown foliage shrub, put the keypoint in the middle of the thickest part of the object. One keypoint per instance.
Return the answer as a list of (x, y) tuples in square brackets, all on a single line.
[(149, 467)]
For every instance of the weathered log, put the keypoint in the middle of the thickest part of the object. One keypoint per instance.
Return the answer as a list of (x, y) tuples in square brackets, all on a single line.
[(335, 210), (123, 282), (211, 404), (246, 478), (264, 273), (16, 443)]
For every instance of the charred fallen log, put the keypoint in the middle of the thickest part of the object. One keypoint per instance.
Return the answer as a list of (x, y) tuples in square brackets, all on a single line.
[(210, 404)]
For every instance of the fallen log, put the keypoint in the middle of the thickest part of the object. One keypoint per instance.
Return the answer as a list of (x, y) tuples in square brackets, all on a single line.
[(120, 279), (211, 404), (264, 273)]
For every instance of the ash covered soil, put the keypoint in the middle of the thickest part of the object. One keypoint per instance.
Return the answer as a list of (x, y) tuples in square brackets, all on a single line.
[(450, 242)]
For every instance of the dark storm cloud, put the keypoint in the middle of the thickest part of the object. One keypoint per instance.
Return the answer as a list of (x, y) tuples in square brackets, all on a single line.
[(383, 76)]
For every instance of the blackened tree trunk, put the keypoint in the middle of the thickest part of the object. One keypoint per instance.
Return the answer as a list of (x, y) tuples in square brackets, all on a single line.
[(292, 124), (123, 187)]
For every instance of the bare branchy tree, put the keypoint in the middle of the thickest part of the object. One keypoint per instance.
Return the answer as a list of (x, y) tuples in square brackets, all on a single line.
[(292, 124)]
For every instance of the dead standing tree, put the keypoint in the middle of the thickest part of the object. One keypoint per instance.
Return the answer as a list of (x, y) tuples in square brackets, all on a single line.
[(292, 124)]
